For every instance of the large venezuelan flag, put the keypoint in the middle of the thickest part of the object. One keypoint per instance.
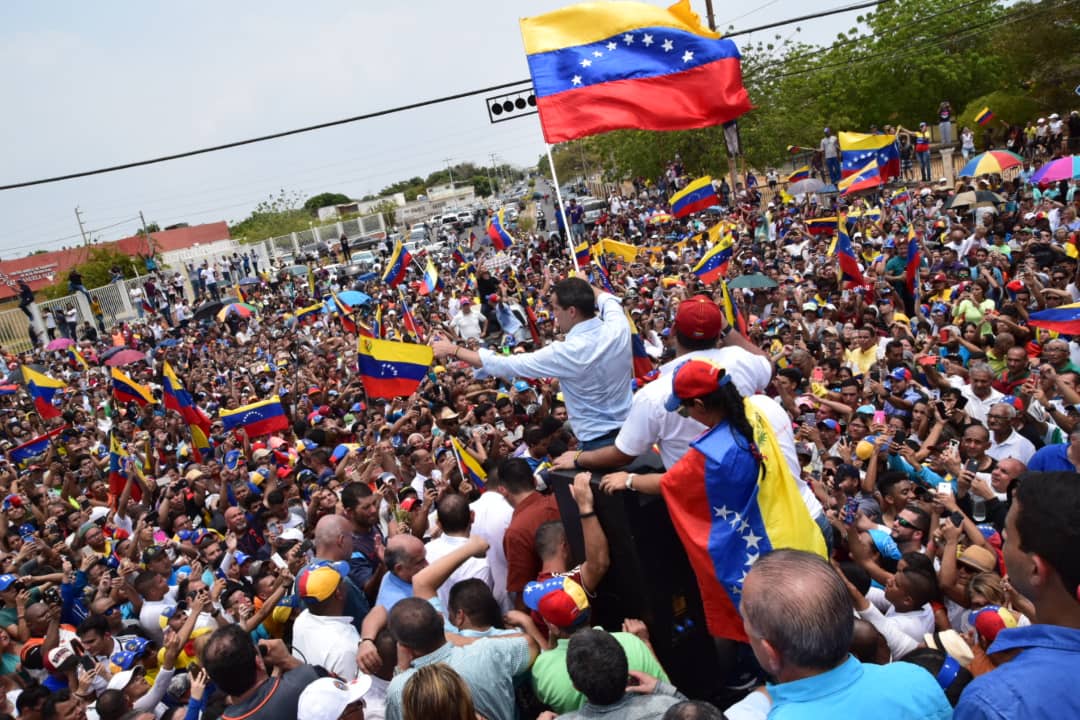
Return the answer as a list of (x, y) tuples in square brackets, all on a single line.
[(695, 197), (729, 510), (127, 390), (1064, 319), (496, 230), (867, 178), (43, 389), (713, 264), (858, 149), (392, 369), (397, 266), (471, 470), (598, 67), (261, 418)]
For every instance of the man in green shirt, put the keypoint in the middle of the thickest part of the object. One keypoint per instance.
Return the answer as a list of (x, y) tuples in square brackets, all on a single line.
[(564, 606)]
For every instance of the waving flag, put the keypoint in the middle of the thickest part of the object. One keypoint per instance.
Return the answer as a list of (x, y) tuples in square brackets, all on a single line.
[(496, 230), (849, 272), (411, 326), (392, 369), (622, 250), (457, 255), (377, 324), (471, 469), (431, 278), (731, 310), (821, 226), (23, 454), (121, 465), (397, 266), (127, 390), (201, 447), (180, 401), (713, 265), (744, 509), (914, 258), (76, 357), (345, 313), (1064, 319), (802, 173), (261, 418), (598, 67), (308, 313), (857, 150), (43, 389), (868, 178), (901, 196), (984, 116), (695, 197), (602, 278), (582, 255)]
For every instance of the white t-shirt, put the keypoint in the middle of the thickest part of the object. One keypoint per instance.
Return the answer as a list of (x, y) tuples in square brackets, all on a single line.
[(491, 517), (467, 325), (477, 568), (327, 640)]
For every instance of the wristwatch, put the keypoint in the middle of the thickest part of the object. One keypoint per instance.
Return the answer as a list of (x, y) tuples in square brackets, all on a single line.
[(630, 481), (725, 332)]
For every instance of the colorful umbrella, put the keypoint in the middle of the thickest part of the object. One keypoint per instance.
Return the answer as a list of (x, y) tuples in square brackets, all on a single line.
[(1066, 168), (60, 343), (243, 310), (125, 357), (991, 163)]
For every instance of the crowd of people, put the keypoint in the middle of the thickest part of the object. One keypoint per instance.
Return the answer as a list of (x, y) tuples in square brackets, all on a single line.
[(874, 481)]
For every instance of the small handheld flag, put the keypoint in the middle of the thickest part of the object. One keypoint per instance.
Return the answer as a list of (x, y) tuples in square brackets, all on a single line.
[(984, 116)]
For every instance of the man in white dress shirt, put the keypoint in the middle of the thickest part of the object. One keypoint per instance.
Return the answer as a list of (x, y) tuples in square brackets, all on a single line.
[(455, 519)]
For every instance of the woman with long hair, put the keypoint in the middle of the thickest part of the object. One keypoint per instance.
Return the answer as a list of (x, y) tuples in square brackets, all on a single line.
[(436, 691)]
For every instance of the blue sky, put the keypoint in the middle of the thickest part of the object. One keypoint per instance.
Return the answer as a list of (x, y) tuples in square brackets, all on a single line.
[(94, 84)]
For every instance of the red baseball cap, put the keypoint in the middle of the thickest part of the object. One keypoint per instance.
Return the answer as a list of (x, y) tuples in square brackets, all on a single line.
[(699, 318), (693, 379)]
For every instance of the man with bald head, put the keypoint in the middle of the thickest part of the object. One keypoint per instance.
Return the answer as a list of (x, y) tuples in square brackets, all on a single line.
[(333, 543), (250, 540), (404, 557), (798, 616)]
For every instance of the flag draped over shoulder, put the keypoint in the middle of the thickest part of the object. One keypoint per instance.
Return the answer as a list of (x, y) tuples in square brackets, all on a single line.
[(392, 369), (858, 149), (43, 389), (695, 197), (127, 390), (598, 67), (471, 469), (730, 509), (260, 418)]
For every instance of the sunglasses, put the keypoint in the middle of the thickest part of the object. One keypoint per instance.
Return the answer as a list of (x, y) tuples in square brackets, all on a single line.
[(904, 523)]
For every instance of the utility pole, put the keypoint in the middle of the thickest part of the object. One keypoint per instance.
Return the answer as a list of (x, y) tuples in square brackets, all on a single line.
[(709, 15), (495, 168), (82, 230), (149, 241), (450, 169)]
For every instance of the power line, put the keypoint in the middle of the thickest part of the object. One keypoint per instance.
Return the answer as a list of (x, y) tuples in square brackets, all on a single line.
[(381, 113)]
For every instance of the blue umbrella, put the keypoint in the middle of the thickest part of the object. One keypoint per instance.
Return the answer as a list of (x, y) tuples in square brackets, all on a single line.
[(714, 210), (352, 298), (168, 342)]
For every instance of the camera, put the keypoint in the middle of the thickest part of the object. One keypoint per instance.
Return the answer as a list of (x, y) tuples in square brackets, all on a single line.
[(52, 596)]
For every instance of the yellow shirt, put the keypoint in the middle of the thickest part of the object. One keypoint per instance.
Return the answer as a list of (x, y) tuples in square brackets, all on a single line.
[(861, 360)]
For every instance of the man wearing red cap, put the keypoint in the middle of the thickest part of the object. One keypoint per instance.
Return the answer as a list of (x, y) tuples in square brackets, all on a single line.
[(700, 331)]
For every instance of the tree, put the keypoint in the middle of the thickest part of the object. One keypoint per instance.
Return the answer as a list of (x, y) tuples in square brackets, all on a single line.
[(389, 212), (312, 204), (97, 270), (151, 227), (277, 215)]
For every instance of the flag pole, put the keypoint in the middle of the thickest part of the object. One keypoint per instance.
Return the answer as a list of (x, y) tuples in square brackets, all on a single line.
[(562, 209)]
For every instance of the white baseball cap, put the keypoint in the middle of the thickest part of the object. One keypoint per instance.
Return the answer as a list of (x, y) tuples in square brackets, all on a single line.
[(327, 698)]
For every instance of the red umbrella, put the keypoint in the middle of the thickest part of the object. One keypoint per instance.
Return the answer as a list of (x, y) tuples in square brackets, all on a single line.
[(124, 357)]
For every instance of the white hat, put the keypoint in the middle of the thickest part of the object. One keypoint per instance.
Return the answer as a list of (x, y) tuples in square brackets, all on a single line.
[(951, 643), (291, 534), (99, 513), (121, 680), (1054, 116), (328, 697)]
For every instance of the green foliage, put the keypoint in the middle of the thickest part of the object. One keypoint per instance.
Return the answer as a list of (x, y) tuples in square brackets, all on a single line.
[(1010, 108), (151, 227), (277, 215), (312, 204), (389, 212), (96, 270)]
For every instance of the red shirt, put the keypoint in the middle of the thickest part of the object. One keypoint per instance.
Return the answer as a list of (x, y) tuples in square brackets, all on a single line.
[(519, 541)]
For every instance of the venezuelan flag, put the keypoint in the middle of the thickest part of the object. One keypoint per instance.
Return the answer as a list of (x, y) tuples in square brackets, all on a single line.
[(42, 389), (76, 357), (308, 313), (713, 263), (598, 67), (900, 197), (392, 369), (180, 401), (693, 198), (984, 116), (731, 310), (622, 250), (9, 390), (802, 173), (377, 324), (127, 390), (345, 312), (642, 364), (868, 178), (23, 454), (582, 255), (849, 272), (914, 258), (496, 230), (1064, 319), (119, 462), (397, 266), (431, 277), (602, 278), (261, 418), (411, 326), (534, 327), (201, 447), (457, 255), (858, 149), (821, 225), (730, 508), (471, 469)]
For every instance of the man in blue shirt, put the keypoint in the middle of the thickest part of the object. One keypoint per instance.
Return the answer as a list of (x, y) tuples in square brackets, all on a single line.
[(404, 557), (1056, 458), (798, 616), (1042, 539)]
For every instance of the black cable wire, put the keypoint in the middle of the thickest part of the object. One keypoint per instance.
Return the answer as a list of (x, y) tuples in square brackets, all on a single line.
[(379, 113)]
